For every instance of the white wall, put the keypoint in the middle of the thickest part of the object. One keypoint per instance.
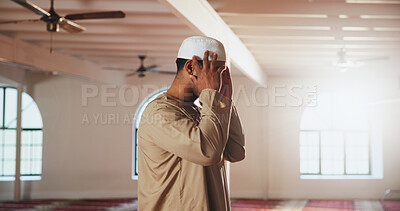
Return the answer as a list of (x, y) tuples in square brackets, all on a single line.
[(283, 141), (248, 177)]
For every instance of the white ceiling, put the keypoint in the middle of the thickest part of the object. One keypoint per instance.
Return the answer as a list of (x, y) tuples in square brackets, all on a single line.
[(148, 29), (286, 37), (292, 37)]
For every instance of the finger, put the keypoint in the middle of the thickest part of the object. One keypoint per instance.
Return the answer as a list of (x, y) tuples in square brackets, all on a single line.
[(195, 64), (193, 78), (220, 69), (213, 61), (205, 59)]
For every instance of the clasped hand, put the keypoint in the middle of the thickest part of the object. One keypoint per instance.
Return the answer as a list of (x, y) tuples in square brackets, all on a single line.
[(212, 75)]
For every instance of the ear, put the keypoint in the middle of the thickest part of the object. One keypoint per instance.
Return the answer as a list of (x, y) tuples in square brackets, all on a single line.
[(189, 67)]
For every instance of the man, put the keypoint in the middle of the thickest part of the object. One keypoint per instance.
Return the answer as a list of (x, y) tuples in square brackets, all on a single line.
[(181, 148)]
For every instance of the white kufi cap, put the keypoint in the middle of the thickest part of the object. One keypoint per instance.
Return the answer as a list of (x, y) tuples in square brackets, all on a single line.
[(197, 45)]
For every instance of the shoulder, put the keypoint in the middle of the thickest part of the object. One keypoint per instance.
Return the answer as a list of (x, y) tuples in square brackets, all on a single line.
[(162, 104), (162, 107)]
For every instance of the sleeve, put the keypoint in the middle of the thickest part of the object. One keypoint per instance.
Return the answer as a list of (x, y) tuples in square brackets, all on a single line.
[(235, 150), (202, 143)]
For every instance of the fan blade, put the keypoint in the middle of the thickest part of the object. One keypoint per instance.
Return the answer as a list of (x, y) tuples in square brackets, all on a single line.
[(19, 21), (117, 68), (71, 26), (131, 74), (162, 72), (32, 7), (373, 59), (151, 67), (95, 15)]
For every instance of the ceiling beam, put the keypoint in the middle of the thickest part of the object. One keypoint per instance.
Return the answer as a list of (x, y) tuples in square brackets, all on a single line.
[(126, 6), (125, 54), (308, 7), (309, 41), (110, 46), (332, 21), (135, 52), (208, 22), (104, 29), (133, 57), (259, 32), (310, 53), (326, 46), (20, 52), (82, 37)]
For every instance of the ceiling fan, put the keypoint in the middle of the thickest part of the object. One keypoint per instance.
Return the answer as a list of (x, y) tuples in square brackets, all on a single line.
[(343, 64), (54, 21), (141, 70)]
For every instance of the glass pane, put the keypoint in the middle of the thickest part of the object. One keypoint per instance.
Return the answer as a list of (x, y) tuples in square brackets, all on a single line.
[(1, 106), (1, 151), (26, 152), (9, 168), (309, 152), (11, 108), (25, 138), (357, 153), (38, 137), (10, 137), (332, 152), (25, 167), (37, 152), (36, 167), (9, 152), (31, 117), (31, 152)]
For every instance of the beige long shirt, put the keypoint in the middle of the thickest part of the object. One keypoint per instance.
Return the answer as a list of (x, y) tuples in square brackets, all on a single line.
[(181, 153)]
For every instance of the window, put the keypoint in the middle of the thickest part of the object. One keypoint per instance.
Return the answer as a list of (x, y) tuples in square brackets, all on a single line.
[(31, 135), (335, 136), (135, 126)]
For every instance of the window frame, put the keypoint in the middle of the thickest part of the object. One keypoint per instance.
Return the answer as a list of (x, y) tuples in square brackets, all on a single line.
[(368, 132), (24, 177), (345, 175)]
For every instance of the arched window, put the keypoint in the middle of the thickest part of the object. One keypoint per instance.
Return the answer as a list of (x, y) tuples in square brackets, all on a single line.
[(335, 136), (135, 126), (31, 135)]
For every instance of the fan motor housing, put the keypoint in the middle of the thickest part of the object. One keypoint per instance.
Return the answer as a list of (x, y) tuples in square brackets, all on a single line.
[(53, 27)]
